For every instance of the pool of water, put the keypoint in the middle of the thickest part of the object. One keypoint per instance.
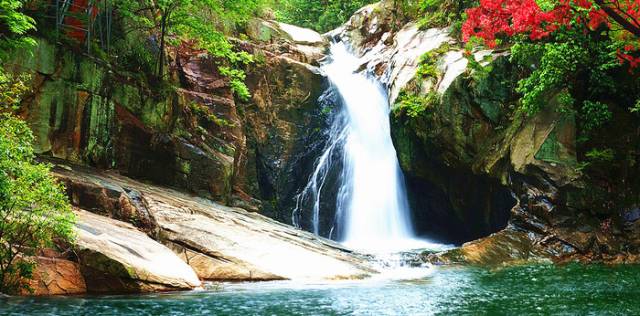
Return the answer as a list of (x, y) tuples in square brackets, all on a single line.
[(525, 290)]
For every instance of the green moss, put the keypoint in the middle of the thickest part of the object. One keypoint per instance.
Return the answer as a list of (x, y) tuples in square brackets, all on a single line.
[(404, 146), (550, 149), (100, 129), (102, 263), (428, 64), (42, 58), (91, 76), (184, 166), (414, 105)]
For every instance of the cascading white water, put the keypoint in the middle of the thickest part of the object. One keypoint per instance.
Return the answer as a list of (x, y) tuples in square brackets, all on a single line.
[(376, 215), (372, 204)]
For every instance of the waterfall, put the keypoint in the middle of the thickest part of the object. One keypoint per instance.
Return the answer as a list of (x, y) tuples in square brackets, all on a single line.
[(371, 204)]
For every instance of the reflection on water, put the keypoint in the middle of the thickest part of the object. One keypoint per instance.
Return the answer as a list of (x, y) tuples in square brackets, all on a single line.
[(529, 290)]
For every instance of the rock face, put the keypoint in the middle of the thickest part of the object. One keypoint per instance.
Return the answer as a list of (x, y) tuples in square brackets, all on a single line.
[(55, 275), (218, 242), (196, 138), (116, 257), (284, 121), (473, 163)]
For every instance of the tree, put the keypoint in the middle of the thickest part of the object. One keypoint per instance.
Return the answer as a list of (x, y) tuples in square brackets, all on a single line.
[(539, 19), (34, 209), (202, 22), (13, 26)]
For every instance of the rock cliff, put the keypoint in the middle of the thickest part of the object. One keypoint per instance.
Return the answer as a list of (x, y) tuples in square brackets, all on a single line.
[(474, 165)]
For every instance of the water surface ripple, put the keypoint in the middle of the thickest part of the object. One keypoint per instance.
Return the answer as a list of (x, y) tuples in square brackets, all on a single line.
[(526, 290)]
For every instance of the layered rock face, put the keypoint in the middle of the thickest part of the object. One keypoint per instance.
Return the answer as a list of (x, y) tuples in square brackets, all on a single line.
[(284, 121), (473, 164), (195, 137), (116, 257)]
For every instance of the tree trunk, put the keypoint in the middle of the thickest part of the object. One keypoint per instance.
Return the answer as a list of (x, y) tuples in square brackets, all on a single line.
[(632, 28), (163, 30)]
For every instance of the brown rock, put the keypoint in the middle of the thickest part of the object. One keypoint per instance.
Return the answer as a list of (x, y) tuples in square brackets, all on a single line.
[(503, 247), (218, 242), (56, 276)]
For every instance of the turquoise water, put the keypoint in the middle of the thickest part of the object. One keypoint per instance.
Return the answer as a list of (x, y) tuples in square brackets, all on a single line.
[(527, 290)]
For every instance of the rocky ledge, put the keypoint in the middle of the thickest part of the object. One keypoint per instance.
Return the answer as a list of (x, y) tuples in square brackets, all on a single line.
[(135, 237)]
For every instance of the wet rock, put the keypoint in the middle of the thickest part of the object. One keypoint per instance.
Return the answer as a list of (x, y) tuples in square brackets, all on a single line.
[(284, 124), (504, 247)]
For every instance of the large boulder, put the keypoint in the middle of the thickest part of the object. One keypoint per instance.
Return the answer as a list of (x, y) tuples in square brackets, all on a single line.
[(115, 257), (218, 242)]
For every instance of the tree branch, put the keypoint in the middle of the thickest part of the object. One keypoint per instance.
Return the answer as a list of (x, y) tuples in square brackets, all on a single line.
[(633, 29)]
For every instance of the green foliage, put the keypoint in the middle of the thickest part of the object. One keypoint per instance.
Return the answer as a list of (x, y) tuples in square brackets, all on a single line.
[(320, 15), (594, 115), (600, 156), (14, 25), (428, 63), (203, 23), (573, 67), (636, 107), (442, 13), (557, 62), (236, 78), (414, 105), (34, 210), (11, 90)]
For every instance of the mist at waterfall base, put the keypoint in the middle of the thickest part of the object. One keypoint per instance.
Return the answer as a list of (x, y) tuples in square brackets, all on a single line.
[(372, 212)]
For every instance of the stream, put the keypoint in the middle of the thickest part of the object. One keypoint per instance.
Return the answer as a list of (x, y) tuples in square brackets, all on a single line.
[(523, 290)]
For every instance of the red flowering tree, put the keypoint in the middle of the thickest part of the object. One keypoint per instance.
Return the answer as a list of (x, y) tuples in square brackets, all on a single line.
[(493, 19)]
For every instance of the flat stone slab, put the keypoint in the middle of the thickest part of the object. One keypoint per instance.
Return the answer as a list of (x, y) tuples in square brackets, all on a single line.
[(218, 242), (115, 256)]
